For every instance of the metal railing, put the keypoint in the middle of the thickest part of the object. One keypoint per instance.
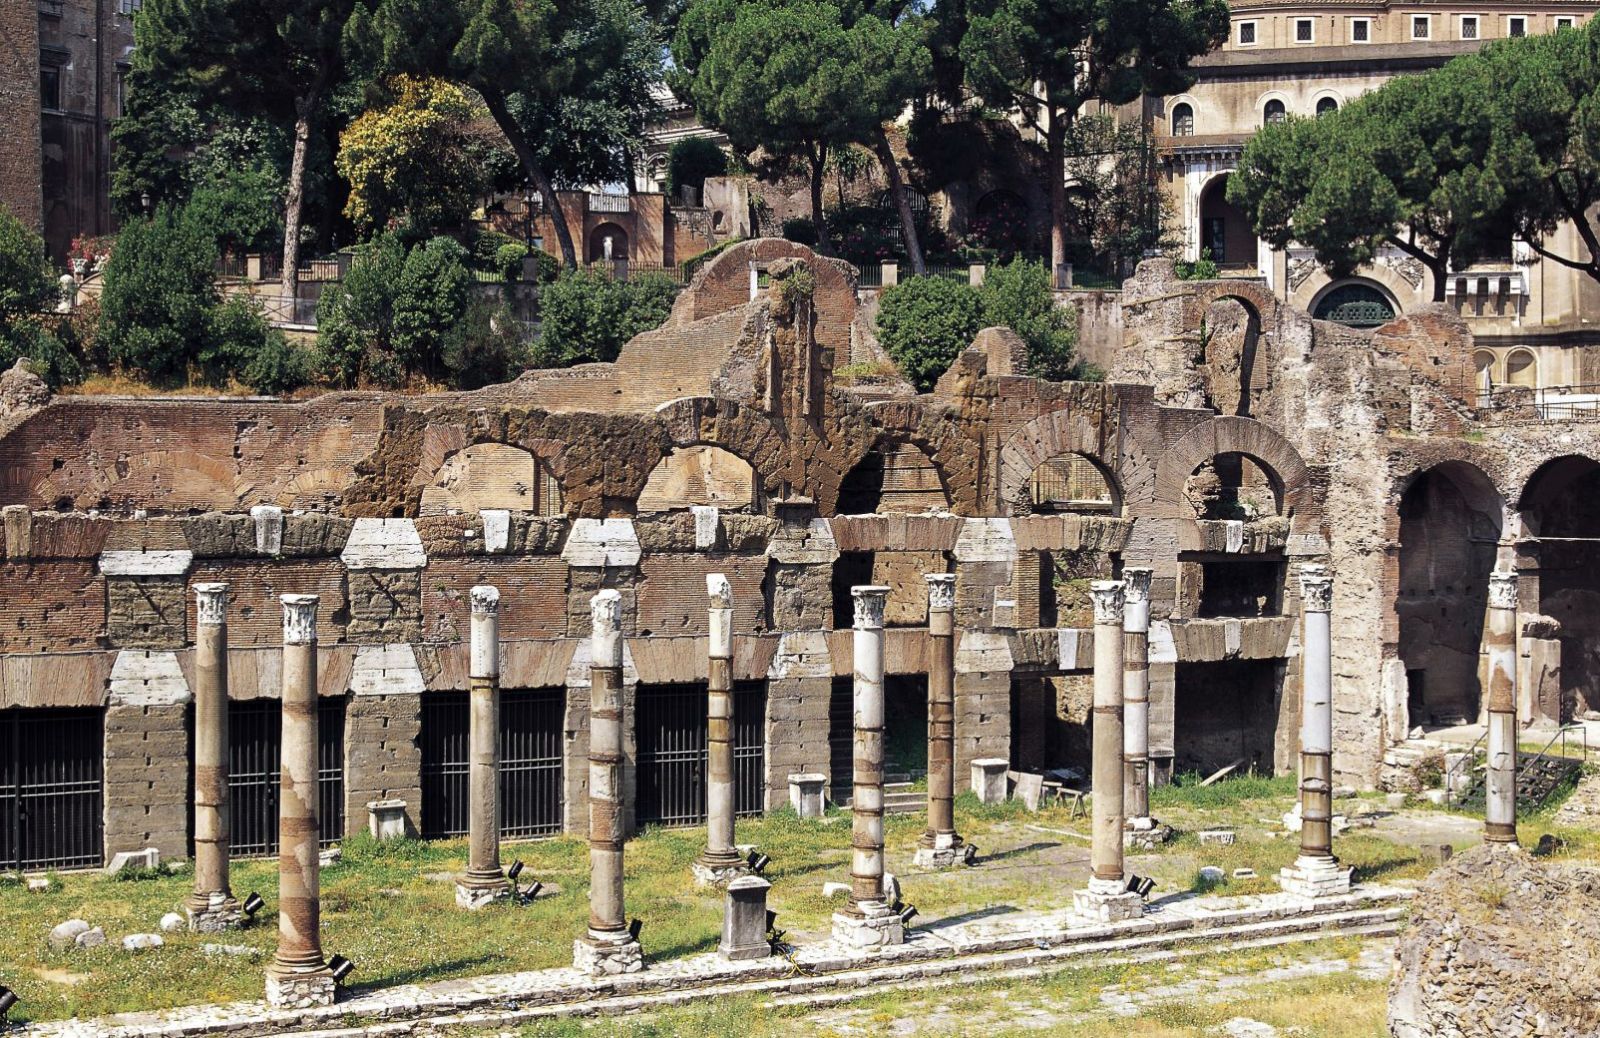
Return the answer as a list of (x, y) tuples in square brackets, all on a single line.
[(610, 203), (1561, 737), (1465, 763), (1552, 403), (283, 310)]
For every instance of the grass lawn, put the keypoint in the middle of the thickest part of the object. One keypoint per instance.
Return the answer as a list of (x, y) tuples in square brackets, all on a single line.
[(391, 908)]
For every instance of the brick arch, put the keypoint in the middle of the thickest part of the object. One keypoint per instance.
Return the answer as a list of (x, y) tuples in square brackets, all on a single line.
[(748, 434), (954, 456), (1066, 431), (1233, 435), (1255, 296)]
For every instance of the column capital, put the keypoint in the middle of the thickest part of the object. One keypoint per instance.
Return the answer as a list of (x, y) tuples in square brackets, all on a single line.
[(1136, 581), (1109, 599), (941, 591), (719, 591), (1503, 589), (1316, 588), (299, 619), (870, 599), (485, 600), (211, 604)]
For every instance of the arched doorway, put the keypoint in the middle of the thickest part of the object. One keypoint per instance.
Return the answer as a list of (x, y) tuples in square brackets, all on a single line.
[(1561, 514), (608, 243), (1450, 518), (1073, 483), (1225, 233), (1355, 304)]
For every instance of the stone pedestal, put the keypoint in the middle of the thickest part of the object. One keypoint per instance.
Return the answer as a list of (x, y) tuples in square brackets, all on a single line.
[(301, 991), (386, 819), (605, 956), (1145, 834), (942, 851), (989, 779), (472, 896), (1315, 877), (744, 920), (717, 874), (220, 912), (806, 794), (1107, 902), (872, 925)]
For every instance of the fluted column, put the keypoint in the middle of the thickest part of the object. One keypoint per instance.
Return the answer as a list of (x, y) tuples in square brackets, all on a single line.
[(298, 975), (1136, 697), (484, 881), (608, 948), (940, 845), (1106, 897), (1316, 872), (1500, 810), (867, 922), (720, 861), (211, 906)]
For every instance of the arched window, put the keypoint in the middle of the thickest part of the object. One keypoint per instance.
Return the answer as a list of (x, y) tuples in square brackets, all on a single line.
[(1522, 369), (1483, 363), (1072, 483), (1355, 305), (1274, 112), (700, 475), (1182, 120), (1326, 106)]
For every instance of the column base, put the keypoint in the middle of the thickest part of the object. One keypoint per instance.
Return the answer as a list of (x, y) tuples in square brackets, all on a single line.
[(301, 990), (473, 894), (1107, 901), (1315, 877), (606, 956), (942, 851), (214, 913), (718, 871), (867, 926), (1145, 834)]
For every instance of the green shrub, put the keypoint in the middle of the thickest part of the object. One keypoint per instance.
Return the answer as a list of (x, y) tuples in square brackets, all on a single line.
[(587, 315), (800, 229), (435, 287), (159, 294), (1203, 269), (691, 160), (242, 206), (924, 323), (488, 347), (508, 261), (245, 347), (1017, 295), (27, 290), (355, 318)]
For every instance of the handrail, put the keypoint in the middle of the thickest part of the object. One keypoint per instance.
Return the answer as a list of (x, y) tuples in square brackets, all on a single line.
[(1465, 761), (1560, 733)]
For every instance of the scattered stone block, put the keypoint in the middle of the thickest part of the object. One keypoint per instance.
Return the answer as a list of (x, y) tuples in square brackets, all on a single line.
[(40, 884), (891, 888), (1395, 800), (329, 857), (386, 819), (989, 779), (835, 889), (1217, 837), (65, 935), (1549, 844), (93, 937), (171, 921), (1244, 873), (148, 858), (240, 950), (1437, 853), (1212, 874), (1344, 792), (806, 794), (142, 941), (1030, 788), (1434, 796)]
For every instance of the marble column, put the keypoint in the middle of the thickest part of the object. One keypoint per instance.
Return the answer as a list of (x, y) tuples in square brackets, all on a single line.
[(1500, 810), (1136, 705), (719, 862), (484, 881), (867, 921), (940, 847), (1106, 898), (608, 947), (1316, 872), (211, 906), (298, 977)]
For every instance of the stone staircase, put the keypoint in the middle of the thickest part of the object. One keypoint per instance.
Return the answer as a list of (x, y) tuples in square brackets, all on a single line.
[(1401, 759), (1538, 778), (899, 795)]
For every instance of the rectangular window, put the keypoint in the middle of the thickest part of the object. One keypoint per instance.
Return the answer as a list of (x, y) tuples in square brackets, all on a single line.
[(1304, 30), (1469, 27), (1516, 26), (1564, 23), (130, 6), (1247, 33), (1360, 30), (50, 87), (1421, 28)]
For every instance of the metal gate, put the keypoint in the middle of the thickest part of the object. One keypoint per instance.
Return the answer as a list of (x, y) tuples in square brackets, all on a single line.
[(51, 788), (841, 739), (531, 738), (670, 729), (255, 773)]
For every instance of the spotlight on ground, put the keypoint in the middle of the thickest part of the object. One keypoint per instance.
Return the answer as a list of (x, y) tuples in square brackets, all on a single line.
[(1141, 885), (757, 861), (908, 913), (8, 998), (514, 871), (969, 853), (341, 968), (635, 928), (253, 904)]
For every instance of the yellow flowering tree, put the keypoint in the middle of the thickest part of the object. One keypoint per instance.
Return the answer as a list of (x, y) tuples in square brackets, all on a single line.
[(409, 159)]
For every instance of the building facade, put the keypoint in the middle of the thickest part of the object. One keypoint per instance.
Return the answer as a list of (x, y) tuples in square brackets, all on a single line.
[(1531, 318), (62, 64)]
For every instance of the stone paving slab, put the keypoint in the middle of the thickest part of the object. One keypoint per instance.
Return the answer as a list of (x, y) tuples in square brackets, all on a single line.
[(940, 948)]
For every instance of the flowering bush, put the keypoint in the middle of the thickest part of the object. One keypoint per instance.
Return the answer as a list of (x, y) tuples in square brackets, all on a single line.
[(91, 249)]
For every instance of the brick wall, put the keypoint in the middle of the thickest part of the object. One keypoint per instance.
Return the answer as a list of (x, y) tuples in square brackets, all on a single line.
[(20, 175)]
